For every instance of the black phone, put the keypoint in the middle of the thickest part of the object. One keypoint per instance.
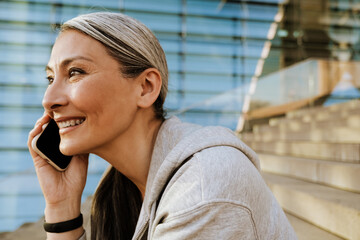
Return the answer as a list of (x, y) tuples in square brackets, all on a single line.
[(46, 144)]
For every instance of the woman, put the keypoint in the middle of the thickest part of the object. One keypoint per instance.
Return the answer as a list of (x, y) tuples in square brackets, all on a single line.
[(168, 180)]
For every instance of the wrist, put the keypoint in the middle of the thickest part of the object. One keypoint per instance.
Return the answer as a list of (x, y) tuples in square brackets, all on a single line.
[(56, 216), (74, 234), (65, 226), (62, 212)]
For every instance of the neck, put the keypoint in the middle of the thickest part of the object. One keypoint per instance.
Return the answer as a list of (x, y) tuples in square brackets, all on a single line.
[(131, 152)]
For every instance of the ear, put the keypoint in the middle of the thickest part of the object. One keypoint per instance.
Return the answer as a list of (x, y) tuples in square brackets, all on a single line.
[(151, 82)]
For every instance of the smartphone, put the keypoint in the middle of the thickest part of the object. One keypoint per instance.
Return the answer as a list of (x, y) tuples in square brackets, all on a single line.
[(46, 144)]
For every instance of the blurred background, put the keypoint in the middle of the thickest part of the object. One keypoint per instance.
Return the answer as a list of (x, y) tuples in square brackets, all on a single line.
[(237, 63)]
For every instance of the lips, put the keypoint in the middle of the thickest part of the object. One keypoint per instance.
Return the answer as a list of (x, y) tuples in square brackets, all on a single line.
[(70, 122)]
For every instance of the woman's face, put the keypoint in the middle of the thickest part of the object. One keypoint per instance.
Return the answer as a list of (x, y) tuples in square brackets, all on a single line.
[(87, 96)]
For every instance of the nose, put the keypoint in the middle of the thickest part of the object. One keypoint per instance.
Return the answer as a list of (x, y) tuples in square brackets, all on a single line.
[(55, 97)]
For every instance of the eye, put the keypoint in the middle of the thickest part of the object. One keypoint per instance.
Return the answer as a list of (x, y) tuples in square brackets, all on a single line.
[(50, 79), (75, 71)]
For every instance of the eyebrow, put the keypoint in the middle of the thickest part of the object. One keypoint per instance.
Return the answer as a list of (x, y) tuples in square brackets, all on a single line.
[(67, 61)]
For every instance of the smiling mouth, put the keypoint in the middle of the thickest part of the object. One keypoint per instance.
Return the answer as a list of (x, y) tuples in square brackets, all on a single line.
[(70, 123)]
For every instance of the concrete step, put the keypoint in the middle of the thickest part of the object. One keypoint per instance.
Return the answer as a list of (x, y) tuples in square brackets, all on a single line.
[(350, 119), (307, 231), (341, 175), (344, 152), (321, 112), (334, 210), (311, 131)]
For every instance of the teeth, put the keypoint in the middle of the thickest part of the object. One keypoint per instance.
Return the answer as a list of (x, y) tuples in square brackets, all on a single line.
[(70, 123)]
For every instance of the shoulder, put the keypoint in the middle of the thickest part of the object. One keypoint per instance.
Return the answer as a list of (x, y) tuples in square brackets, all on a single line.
[(227, 173), (221, 185), (218, 173)]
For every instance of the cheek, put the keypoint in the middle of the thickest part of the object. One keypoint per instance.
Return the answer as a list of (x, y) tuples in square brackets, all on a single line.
[(89, 98), (109, 110), (104, 103)]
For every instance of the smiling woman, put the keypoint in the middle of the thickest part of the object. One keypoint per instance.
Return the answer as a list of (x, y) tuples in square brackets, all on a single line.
[(167, 180), (86, 84)]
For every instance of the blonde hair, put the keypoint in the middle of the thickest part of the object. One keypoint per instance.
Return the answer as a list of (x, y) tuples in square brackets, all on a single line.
[(129, 41)]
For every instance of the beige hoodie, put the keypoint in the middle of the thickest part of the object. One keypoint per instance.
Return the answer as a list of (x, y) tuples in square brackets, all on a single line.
[(204, 183)]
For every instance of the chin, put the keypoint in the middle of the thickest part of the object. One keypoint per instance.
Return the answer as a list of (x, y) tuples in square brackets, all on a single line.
[(69, 149)]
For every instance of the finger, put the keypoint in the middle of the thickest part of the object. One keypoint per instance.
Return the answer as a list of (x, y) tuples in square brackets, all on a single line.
[(39, 162), (35, 131), (38, 125), (44, 119)]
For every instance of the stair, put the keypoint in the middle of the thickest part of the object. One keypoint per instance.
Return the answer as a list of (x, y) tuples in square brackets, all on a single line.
[(310, 159), (337, 174), (307, 231)]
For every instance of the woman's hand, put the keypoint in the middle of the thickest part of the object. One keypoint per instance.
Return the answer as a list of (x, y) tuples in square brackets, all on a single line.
[(62, 190)]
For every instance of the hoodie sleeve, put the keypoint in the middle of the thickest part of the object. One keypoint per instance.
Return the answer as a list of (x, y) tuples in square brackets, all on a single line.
[(83, 236), (212, 220)]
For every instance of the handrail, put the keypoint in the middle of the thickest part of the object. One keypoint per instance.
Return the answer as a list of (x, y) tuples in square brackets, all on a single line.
[(272, 111)]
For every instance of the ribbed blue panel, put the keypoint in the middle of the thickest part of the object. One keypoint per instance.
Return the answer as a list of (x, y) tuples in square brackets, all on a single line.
[(210, 48)]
